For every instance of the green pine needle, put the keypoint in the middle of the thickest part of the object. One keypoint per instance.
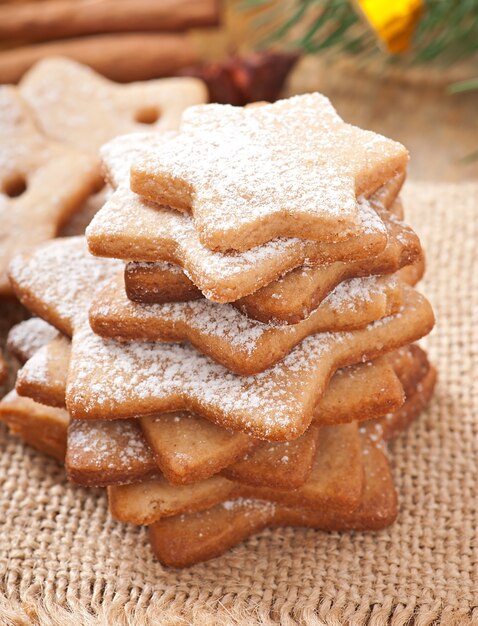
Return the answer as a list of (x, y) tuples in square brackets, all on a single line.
[(447, 31), (465, 85)]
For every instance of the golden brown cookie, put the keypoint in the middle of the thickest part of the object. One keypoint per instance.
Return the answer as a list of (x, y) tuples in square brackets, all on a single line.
[(190, 538), (242, 345), (338, 450), (42, 427), (42, 183), (184, 435), (101, 449), (108, 379), (25, 339), (355, 393), (413, 273), (335, 482), (104, 453), (75, 105), (159, 283), (293, 296), (250, 175), (43, 377), (129, 228), (389, 425), (188, 448)]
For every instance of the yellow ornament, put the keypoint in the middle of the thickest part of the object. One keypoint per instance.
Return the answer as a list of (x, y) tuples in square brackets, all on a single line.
[(394, 21)]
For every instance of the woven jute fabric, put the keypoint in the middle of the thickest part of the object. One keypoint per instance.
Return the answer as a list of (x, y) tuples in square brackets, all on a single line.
[(64, 561)]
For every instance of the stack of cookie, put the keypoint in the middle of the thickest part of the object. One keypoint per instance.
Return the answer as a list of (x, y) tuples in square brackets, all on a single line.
[(233, 339)]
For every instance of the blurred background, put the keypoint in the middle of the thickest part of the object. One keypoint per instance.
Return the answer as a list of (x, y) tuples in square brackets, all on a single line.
[(406, 68)]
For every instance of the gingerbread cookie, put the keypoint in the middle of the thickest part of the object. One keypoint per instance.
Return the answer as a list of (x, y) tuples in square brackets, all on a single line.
[(98, 458), (419, 396), (43, 377), (413, 273), (26, 339), (188, 448), (293, 296), (357, 392), (104, 453), (75, 105), (108, 379), (242, 345), (159, 283), (186, 539), (249, 175), (42, 427), (128, 227), (334, 440), (192, 433), (335, 482), (42, 183), (62, 294)]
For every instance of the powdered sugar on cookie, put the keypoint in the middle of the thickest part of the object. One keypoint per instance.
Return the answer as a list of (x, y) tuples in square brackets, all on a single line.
[(68, 279), (26, 338), (129, 228), (109, 379), (241, 344), (249, 175)]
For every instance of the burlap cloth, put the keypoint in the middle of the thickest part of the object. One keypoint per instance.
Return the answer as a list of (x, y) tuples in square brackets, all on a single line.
[(64, 561)]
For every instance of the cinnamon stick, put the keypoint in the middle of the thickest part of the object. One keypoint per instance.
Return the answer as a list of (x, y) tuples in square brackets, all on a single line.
[(120, 57), (59, 19)]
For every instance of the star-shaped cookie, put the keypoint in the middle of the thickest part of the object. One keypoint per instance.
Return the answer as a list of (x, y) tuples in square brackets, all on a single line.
[(130, 228), (248, 175), (42, 183), (110, 379), (243, 345), (75, 105), (188, 448), (186, 539)]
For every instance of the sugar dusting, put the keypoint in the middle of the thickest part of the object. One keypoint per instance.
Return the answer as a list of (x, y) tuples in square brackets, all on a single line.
[(295, 156), (29, 336), (224, 322), (107, 445), (112, 378), (63, 276), (155, 233)]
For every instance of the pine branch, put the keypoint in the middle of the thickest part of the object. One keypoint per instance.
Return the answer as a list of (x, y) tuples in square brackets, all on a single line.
[(447, 31)]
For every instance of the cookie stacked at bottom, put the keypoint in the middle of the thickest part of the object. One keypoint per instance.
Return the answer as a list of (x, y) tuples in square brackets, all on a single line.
[(265, 403)]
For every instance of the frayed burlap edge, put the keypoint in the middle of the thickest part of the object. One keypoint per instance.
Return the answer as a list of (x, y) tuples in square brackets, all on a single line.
[(228, 612)]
